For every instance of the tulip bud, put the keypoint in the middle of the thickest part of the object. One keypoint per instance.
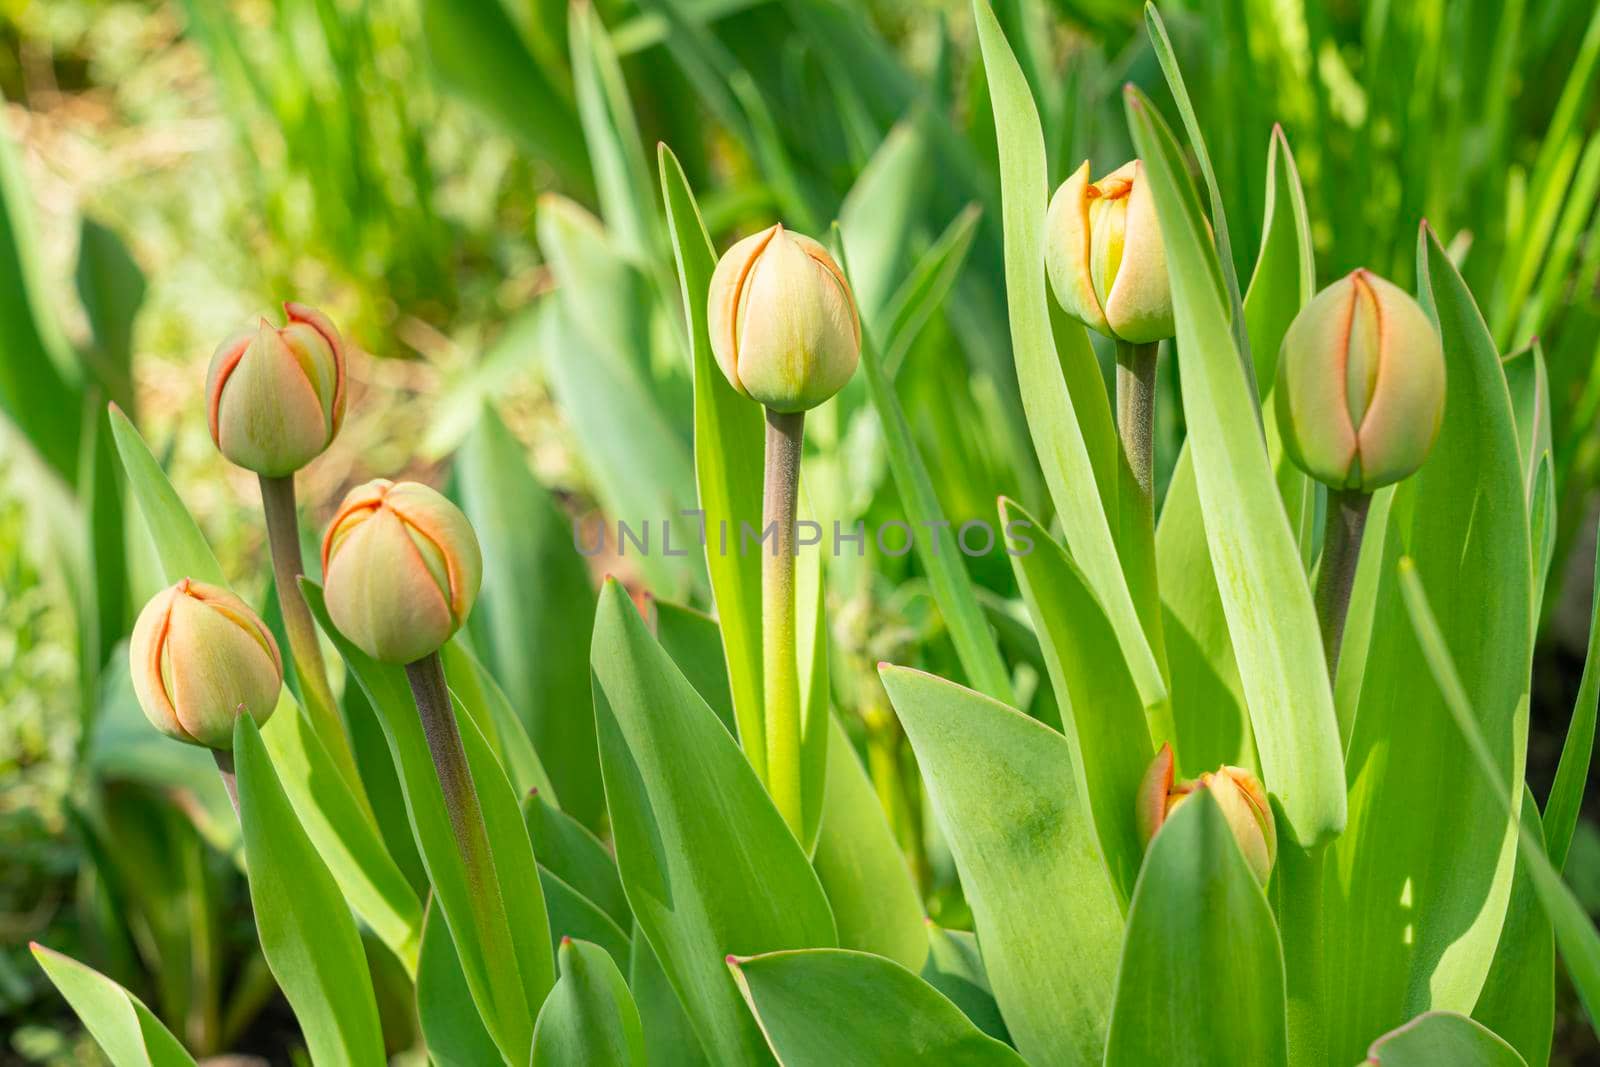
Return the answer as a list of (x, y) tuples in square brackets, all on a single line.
[(783, 321), (401, 568), (1238, 794), (275, 398), (199, 656), (1360, 384), (1105, 258)]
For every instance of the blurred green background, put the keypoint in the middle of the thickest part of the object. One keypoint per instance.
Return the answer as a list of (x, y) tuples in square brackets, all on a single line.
[(170, 170)]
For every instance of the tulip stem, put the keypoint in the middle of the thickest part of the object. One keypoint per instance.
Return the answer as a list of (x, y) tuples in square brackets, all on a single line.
[(1136, 512), (1136, 407), (1336, 574), (283, 535), (780, 666), (439, 729), (230, 780)]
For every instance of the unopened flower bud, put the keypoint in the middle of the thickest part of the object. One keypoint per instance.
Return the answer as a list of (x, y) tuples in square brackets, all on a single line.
[(275, 397), (401, 569), (783, 321), (1361, 387), (199, 658), (1104, 255), (1238, 794)]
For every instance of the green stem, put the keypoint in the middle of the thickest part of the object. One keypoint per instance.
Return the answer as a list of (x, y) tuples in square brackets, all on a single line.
[(230, 780), (1136, 513), (1336, 574), (283, 535), (780, 667)]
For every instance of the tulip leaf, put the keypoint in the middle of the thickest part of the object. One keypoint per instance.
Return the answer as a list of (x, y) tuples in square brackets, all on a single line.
[(1201, 954), (1575, 933), (590, 1016), (1101, 713), (307, 933), (496, 918), (728, 450), (669, 1037), (955, 968), (570, 851), (1518, 998), (489, 707), (1265, 596), (878, 214), (862, 870), (1057, 434), (535, 612), (708, 865), (1572, 773), (925, 289), (181, 546), (573, 915), (826, 1006), (1415, 913), (997, 782), (694, 641), (127, 1032), (935, 541), (451, 1026), (1440, 1037)]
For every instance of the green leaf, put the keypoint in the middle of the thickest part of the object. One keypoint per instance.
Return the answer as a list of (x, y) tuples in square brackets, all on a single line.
[(955, 968), (1263, 587), (112, 289), (307, 932), (1101, 713), (707, 862), (862, 871), (573, 915), (669, 1037), (536, 612), (451, 1026), (996, 780), (489, 707), (934, 539), (1431, 880), (1575, 933), (590, 1017), (126, 1030), (823, 1007), (728, 450), (694, 641), (181, 546), (1566, 795), (1201, 954), (572, 852), (500, 930), (1057, 435), (1440, 1037), (879, 214), (478, 54), (1518, 998), (924, 290)]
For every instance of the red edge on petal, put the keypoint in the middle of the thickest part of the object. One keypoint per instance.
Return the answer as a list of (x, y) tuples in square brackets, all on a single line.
[(230, 363), (323, 325), (739, 293), (452, 566)]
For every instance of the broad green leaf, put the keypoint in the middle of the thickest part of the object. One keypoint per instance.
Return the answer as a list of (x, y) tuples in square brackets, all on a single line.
[(811, 664), (1265, 596), (933, 537), (1575, 932), (1529, 383), (537, 612), (451, 1027), (590, 1017), (572, 852), (694, 641), (1436, 1038), (708, 865), (1566, 795), (126, 1030), (112, 289), (1057, 436), (862, 871), (829, 1006), (307, 932), (1045, 909), (573, 915), (1518, 998), (333, 817), (1202, 979), (669, 1038), (955, 968), (728, 450), (1415, 910), (499, 928), (489, 707), (924, 290), (1101, 713), (478, 53)]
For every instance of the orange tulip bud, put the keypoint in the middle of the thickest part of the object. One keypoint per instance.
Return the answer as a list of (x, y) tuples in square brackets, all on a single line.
[(1238, 794)]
